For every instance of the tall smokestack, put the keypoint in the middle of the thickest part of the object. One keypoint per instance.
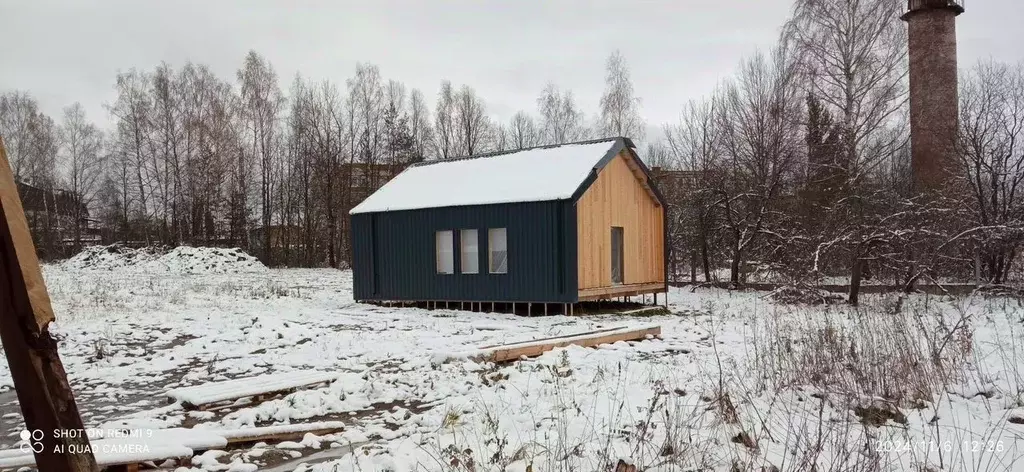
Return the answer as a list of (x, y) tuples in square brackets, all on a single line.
[(934, 100)]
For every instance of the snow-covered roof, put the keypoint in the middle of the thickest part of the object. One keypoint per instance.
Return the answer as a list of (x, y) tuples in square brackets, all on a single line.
[(530, 175)]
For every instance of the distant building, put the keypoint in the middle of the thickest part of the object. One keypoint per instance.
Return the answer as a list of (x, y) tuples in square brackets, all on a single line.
[(281, 236), (367, 178), (39, 201), (669, 179), (553, 224), (52, 214)]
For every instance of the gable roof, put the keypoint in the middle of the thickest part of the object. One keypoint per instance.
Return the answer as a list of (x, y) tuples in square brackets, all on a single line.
[(538, 174)]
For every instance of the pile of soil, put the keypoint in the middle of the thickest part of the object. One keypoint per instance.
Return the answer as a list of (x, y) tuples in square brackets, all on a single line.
[(206, 260), (112, 257), (180, 260)]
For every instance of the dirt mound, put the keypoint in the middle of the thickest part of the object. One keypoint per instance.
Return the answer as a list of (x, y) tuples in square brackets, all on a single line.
[(180, 260), (112, 257), (206, 260)]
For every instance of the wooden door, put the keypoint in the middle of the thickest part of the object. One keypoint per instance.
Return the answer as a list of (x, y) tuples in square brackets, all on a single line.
[(617, 255)]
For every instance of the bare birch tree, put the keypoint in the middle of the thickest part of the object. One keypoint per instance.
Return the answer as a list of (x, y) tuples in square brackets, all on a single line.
[(419, 125), (992, 162), (261, 106), (326, 133), (523, 131), (561, 118), (759, 122), (132, 148), (367, 99), (697, 142), (82, 143), (445, 122), (620, 108), (29, 137), (852, 56), (472, 126)]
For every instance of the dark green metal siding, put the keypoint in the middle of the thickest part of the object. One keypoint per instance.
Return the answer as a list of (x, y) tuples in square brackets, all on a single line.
[(393, 254)]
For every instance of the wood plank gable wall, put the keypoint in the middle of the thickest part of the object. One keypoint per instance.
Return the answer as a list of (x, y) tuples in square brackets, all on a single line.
[(618, 198)]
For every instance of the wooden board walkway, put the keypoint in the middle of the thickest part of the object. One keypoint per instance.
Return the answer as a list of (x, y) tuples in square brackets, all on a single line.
[(208, 396), (536, 347)]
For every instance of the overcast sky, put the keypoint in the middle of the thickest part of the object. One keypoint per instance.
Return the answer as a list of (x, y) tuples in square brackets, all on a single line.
[(66, 51)]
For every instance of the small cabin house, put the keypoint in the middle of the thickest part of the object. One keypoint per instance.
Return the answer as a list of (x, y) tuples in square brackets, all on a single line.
[(553, 224)]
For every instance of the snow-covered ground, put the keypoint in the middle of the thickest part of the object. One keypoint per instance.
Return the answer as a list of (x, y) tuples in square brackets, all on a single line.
[(736, 382)]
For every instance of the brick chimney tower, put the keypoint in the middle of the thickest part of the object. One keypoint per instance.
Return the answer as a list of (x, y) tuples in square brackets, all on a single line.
[(934, 101)]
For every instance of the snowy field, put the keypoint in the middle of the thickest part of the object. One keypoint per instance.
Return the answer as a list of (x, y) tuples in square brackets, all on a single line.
[(737, 382)]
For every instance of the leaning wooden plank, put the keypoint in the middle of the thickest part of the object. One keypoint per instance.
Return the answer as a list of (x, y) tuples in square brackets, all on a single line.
[(553, 338), (285, 432), (210, 393), (648, 311), (536, 347)]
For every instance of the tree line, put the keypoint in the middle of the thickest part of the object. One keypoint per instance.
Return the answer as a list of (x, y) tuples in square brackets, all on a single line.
[(795, 168), (801, 163), (193, 158)]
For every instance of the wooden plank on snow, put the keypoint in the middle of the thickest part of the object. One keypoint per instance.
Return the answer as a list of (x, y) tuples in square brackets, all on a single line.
[(286, 432), (620, 291), (207, 395), (536, 347)]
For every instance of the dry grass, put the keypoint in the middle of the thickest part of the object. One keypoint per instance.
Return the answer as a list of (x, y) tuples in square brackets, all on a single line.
[(880, 350), (819, 390)]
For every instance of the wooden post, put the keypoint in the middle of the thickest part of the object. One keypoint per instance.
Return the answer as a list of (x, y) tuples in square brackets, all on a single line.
[(47, 402)]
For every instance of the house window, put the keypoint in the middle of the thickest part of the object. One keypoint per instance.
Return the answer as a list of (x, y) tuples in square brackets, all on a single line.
[(498, 251), (445, 253), (470, 251)]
